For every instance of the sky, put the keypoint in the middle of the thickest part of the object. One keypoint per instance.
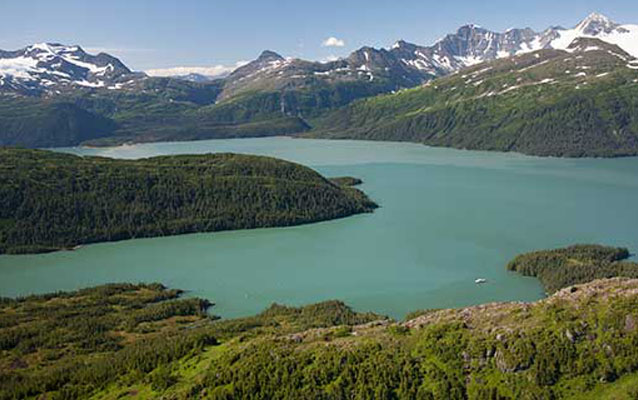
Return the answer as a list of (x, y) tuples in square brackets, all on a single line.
[(220, 34)]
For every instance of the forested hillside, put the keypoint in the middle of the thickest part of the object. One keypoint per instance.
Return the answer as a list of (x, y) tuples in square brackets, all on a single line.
[(575, 103), (50, 201), (141, 341), (33, 122), (153, 110)]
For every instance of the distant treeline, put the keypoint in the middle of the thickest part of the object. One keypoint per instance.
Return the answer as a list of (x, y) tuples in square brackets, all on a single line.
[(560, 268)]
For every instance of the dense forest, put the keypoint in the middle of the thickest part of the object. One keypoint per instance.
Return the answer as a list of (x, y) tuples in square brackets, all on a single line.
[(144, 341), (560, 268), (547, 103), (50, 201), (70, 344)]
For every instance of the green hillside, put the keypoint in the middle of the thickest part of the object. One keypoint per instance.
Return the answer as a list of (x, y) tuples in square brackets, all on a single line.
[(35, 122), (145, 341), (50, 201), (161, 109), (550, 103)]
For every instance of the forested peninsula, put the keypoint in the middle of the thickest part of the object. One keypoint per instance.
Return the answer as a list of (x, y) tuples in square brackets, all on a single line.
[(51, 201)]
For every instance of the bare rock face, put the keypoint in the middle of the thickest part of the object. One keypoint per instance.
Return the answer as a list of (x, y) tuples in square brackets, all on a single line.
[(630, 323), (487, 316)]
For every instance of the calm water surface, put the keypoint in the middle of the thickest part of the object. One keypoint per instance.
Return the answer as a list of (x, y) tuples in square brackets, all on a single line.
[(447, 218)]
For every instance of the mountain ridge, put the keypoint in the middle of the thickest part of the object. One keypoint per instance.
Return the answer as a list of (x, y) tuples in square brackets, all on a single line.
[(407, 64), (578, 102), (403, 65)]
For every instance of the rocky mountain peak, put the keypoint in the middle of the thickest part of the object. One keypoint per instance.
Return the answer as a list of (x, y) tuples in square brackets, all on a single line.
[(469, 29), (596, 24), (268, 55), (401, 44)]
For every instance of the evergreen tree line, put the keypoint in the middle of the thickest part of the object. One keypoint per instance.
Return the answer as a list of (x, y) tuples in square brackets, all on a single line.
[(557, 269)]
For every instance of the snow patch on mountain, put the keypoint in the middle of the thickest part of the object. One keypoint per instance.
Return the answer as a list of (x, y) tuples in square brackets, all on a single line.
[(19, 67), (43, 66), (472, 45), (599, 27)]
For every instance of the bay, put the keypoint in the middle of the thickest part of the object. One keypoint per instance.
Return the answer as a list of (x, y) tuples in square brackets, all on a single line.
[(447, 217)]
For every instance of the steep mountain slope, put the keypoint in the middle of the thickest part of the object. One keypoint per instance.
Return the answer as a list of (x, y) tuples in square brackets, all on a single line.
[(50, 201), (472, 44), (56, 95), (49, 67), (578, 102), (379, 69), (35, 122), (80, 115)]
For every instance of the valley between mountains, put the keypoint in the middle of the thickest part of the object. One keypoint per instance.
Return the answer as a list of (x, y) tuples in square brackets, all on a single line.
[(560, 92)]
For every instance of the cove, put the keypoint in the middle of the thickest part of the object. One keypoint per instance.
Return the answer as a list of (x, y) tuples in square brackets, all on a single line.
[(447, 217)]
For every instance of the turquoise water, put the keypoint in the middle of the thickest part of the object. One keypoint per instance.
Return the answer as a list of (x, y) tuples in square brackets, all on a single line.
[(447, 217)]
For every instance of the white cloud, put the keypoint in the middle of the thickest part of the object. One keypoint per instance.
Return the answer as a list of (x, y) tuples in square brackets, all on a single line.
[(333, 42), (115, 50), (212, 71), (330, 58)]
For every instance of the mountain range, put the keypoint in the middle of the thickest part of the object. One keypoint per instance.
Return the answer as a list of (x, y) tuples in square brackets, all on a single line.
[(67, 97), (408, 65), (582, 101), (48, 67)]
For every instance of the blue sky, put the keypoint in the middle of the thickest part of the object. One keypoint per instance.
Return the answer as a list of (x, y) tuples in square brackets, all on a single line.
[(160, 33)]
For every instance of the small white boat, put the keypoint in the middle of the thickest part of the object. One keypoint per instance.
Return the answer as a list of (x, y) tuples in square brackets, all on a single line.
[(480, 281)]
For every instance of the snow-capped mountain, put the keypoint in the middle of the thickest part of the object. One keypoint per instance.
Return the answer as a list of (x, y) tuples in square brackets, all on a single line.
[(48, 67), (472, 44), (378, 70), (600, 27), (407, 65)]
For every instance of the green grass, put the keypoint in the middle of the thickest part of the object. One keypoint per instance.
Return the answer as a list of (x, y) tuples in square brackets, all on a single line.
[(625, 388)]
